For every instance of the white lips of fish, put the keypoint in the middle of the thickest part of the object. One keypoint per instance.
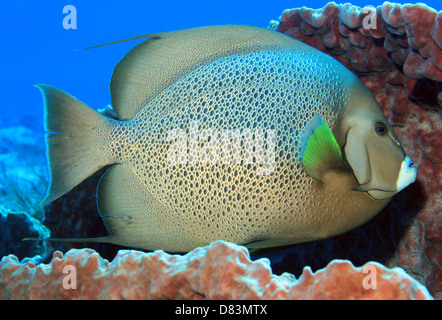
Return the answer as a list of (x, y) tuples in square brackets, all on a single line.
[(407, 175)]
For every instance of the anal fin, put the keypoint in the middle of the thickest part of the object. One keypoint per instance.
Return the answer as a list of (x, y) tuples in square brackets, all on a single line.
[(133, 216)]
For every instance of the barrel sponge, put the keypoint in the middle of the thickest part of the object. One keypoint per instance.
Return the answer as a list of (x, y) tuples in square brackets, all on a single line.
[(388, 37), (221, 270)]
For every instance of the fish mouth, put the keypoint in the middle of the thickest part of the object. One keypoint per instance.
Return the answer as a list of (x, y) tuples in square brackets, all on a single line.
[(407, 174)]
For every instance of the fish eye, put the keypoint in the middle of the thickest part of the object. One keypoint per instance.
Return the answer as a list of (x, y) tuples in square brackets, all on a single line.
[(381, 128)]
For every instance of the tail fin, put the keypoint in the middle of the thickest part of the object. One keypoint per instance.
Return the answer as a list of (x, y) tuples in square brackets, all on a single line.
[(72, 132)]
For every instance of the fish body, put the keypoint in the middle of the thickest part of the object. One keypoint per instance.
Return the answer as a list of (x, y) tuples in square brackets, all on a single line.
[(227, 132)]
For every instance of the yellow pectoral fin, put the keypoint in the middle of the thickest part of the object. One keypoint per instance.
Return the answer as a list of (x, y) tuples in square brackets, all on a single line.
[(319, 148)]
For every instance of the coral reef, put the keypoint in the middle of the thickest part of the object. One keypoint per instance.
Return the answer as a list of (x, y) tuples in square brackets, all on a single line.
[(396, 50), (14, 226), (22, 168), (22, 181), (221, 270)]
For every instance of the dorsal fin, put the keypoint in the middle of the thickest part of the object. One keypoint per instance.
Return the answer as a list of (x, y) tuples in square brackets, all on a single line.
[(156, 63)]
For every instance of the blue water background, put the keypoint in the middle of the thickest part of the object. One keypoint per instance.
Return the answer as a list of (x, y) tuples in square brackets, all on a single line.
[(37, 49)]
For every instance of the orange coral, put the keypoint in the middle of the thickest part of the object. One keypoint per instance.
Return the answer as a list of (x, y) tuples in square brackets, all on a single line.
[(221, 270)]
